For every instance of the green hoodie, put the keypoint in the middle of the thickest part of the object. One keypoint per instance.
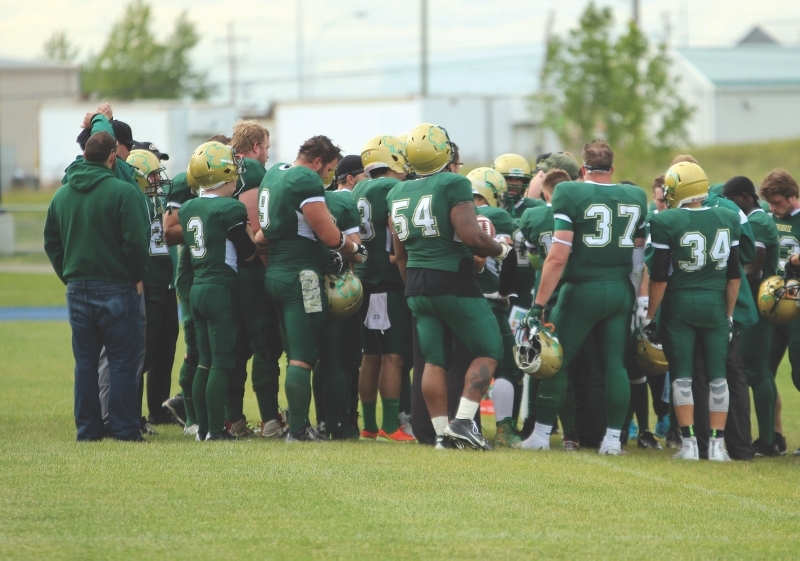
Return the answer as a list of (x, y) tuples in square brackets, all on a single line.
[(96, 227)]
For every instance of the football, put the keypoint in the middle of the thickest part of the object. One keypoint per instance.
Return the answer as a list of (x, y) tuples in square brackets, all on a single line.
[(486, 225)]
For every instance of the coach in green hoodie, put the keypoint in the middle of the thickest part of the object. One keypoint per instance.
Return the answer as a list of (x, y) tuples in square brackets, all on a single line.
[(97, 241)]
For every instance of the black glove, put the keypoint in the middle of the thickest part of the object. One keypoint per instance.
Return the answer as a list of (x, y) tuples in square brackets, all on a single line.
[(533, 317), (362, 251), (335, 263), (791, 271)]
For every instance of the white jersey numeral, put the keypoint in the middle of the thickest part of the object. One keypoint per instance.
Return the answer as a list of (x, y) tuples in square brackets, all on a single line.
[(263, 208), (423, 217), (198, 248), (603, 215), (720, 250), (366, 230), (400, 222), (633, 213), (157, 245), (791, 246)]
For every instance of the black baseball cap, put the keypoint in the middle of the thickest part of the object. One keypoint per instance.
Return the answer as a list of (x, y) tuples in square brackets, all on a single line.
[(740, 185), (349, 165), (123, 134), (149, 146)]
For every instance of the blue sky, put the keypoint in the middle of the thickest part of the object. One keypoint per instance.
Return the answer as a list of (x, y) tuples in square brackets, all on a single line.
[(359, 48)]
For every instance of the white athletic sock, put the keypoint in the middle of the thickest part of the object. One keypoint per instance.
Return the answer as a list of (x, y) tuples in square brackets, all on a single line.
[(612, 438), (439, 424), (467, 409), (542, 431), (503, 399), (539, 437)]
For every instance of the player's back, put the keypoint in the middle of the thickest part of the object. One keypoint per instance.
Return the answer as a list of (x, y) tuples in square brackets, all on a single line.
[(370, 198), (420, 211), (605, 219), (700, 241)]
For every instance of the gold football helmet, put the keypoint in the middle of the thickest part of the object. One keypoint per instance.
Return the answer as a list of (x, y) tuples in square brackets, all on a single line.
[(428, 149), (213, 164), (193, 185), (145, 163), (684, 183), (779, 299), (489, 184), (385, 152), (538, 352), (513, 165), (344, 294), (650, 354)]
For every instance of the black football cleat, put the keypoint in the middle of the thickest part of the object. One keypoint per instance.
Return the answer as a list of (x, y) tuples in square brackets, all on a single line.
[(765, 450), (467, 431), (647, 439), (222, 435)]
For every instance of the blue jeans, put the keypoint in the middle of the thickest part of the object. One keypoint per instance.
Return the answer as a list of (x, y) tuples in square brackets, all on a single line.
[(106, 314)]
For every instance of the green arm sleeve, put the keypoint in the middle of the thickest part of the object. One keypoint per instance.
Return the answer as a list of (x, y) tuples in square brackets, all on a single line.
[(101, 124)]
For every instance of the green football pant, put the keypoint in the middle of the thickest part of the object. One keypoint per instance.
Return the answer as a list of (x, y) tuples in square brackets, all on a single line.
[(189, 366), (688, 317), (600, 310), (786, 337), (215, 309), (753, 341), (470, 319)]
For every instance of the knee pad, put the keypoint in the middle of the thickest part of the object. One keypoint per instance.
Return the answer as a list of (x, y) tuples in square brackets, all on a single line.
[(682, 390), (719, 398)]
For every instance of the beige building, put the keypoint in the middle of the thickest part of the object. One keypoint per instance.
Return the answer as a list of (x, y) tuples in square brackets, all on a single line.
[(24, 86)]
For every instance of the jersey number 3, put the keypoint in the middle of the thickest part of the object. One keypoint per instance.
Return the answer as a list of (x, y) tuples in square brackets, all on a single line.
[(198, 248)]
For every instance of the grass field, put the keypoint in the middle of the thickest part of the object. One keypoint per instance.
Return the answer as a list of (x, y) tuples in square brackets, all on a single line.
[(175, 498)]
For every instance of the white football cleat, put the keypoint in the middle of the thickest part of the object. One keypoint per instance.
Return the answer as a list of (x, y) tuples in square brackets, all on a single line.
[(610, 449), (688, 450), (535, 442), (716, 451), (191, 430)]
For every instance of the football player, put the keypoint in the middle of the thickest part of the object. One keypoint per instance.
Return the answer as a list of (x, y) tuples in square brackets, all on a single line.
[(781, 191), (435, 235), (598, 240), (215, 229), (489, 192), (757, 338), (385, 317), (259, 330), (294, 219), (695, 273), (340, 350)]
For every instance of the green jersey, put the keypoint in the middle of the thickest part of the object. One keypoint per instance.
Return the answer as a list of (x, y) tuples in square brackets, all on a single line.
[(700, 241), (293, 245), (517, 209), (205, 222), (536, 227), (489, 279), (177, 196), (370, 198), (605, 220), (159, 264), (747, 248), (254, 172), (788, 237), (766, 236), (420, 211), (344, 211)]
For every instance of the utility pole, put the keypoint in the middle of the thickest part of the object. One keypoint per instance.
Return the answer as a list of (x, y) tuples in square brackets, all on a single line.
[(635, 12), (423, 63), (301, 93), (233, 63)]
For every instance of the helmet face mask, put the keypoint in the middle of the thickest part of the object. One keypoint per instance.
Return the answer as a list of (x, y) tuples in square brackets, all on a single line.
[(149, 173), (214, 164), (517, 172), (779, 299), (650, 356), (537, 352)]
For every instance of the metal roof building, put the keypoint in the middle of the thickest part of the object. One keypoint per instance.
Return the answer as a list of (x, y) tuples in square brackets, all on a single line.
[(749, 93)]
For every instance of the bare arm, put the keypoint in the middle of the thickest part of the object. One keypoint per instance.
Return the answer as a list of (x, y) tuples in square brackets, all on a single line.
[(350, 257), (554, 265), (321, 221), (173, 234), (465, 223), (250, 200), (657, 290), (644, 289), (731, 293), (400, 253)]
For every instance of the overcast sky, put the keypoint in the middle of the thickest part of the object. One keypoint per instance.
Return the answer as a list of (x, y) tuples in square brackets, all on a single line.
[(360, 48)]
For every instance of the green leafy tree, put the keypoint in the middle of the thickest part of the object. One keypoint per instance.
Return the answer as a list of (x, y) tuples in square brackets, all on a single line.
[(59, 49), (595, 86), (133, 64)]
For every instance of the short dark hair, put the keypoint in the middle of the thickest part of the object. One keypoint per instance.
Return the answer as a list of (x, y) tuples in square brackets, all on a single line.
[(597, 155), (684, 158), (553, 178), (659, 181), (378, 172), (319, 147), (98, 147), (226, 140)]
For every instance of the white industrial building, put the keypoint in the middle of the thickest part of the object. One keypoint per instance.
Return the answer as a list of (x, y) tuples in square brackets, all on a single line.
[(748, 93), (482, 127), (175, 127)]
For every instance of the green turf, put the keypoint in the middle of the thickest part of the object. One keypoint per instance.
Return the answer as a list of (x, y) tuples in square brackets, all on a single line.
[(18, 289), (175, 498)]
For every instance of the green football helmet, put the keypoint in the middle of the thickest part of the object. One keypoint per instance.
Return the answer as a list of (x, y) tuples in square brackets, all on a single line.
[(148, 172), (385, 152), (428, 149), (684, 183), (489, 184), (214, 164), (345, 294)]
